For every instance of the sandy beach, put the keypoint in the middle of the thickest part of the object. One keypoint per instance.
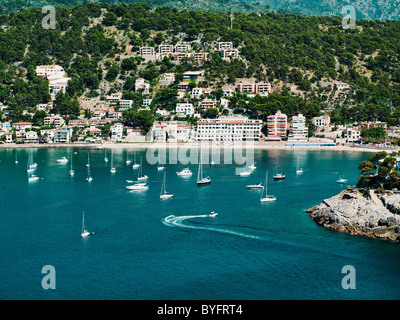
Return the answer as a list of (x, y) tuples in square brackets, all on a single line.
[(281, 145)]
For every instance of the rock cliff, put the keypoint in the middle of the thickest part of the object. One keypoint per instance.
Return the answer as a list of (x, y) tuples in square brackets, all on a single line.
[(375, 216)]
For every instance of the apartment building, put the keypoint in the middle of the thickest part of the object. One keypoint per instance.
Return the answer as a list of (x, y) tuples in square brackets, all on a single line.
[(184, 109), (229, 129), (180, 47), (56, 121), (224, 46), (298, 130), (352, 135), (277, 126), (229, 53), (63, 135), (253, 87), (207, 103), (146, 51)]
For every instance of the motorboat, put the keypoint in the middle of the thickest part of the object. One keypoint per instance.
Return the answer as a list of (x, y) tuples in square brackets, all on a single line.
[(184, 173), (62, 160), (255, 186), (213, 214)]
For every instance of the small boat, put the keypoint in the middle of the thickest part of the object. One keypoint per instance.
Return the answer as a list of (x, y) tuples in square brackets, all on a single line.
[(62, 160), (267, 198), (163, 193), (213, 214), (341, 180), (252, 167), (135, 164), (33, 178), (105, 156), (298, 169), (112, 170), (160, 168), (71, 172), (84, 232), (16, 158), (128, 161), (141, 177), (279, 176), (184, 173), (200, 180), (89, 177), (245, 173), (255, 186), (138, 187)]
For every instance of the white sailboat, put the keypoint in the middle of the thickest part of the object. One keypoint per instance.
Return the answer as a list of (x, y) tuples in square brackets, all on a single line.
[(105, 156), (298, 169), (200, 180), (135, 164), (89, 177), (140, 176), (112, 170), (279, 176), (31, 167), (84, 233), (163, 193), (71, 172), (128, 161), (267, 198), (16, 158), (33, 178)]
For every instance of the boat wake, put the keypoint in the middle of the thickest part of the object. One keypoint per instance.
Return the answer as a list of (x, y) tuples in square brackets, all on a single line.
[(173, 221)]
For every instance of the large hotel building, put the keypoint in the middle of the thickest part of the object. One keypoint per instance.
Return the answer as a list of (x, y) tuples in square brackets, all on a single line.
[(229, 129)]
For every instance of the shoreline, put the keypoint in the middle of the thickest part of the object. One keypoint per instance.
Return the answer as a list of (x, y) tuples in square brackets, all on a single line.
[(188, 145)]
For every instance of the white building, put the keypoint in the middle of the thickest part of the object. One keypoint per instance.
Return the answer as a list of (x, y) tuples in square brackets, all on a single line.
[(352, 135), (229, 129), (63, 135), (142, 85), (57, 77), (196, 93), (125, 105), (184, 109), (116, 132), (298, 130)]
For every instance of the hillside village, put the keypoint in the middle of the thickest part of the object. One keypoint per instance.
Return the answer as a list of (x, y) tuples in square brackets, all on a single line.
[(136, 101)]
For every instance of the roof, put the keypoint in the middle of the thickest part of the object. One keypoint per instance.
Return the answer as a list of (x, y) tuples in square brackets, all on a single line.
[(22, 123)]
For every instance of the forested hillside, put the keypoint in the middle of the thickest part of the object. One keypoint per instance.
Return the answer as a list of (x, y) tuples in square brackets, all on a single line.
[(301, 56)]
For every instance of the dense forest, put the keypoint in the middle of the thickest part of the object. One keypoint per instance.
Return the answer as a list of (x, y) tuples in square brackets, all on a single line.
[(300, 55)]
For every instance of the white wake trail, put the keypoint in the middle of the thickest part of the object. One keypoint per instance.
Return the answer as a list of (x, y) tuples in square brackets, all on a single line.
[(173, 221)]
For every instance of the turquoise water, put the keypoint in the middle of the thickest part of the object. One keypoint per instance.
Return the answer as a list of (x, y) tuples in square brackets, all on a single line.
[(251, 250)]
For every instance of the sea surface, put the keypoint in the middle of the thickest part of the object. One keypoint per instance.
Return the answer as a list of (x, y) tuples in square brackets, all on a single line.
[(251, 250)]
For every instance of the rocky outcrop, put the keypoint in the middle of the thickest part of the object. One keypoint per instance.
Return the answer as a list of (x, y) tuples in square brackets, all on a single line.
[(351, 212)]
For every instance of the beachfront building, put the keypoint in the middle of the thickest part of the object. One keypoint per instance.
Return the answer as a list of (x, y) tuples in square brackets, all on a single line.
[(63, 135), (8, 135), (298, 130), (322, 123), (171, 131), (277, 126), (31, 137), (352, 135), (229, 129), (117, 132), (22, 126)]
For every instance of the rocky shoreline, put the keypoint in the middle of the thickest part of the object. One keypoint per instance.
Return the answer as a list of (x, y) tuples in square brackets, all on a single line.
[(369, 214)]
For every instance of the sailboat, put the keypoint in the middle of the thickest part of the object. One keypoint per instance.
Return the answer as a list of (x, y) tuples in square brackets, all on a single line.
[(89, 177), (200, 180), (163, 193), (267, 198), (112, 170), (16, 158), (31, 167), (105, 156), (33, 178), (71, 172), (298, 170), (135, 165), (128, 161), (279, 176), (140, 176), (84, 232)]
